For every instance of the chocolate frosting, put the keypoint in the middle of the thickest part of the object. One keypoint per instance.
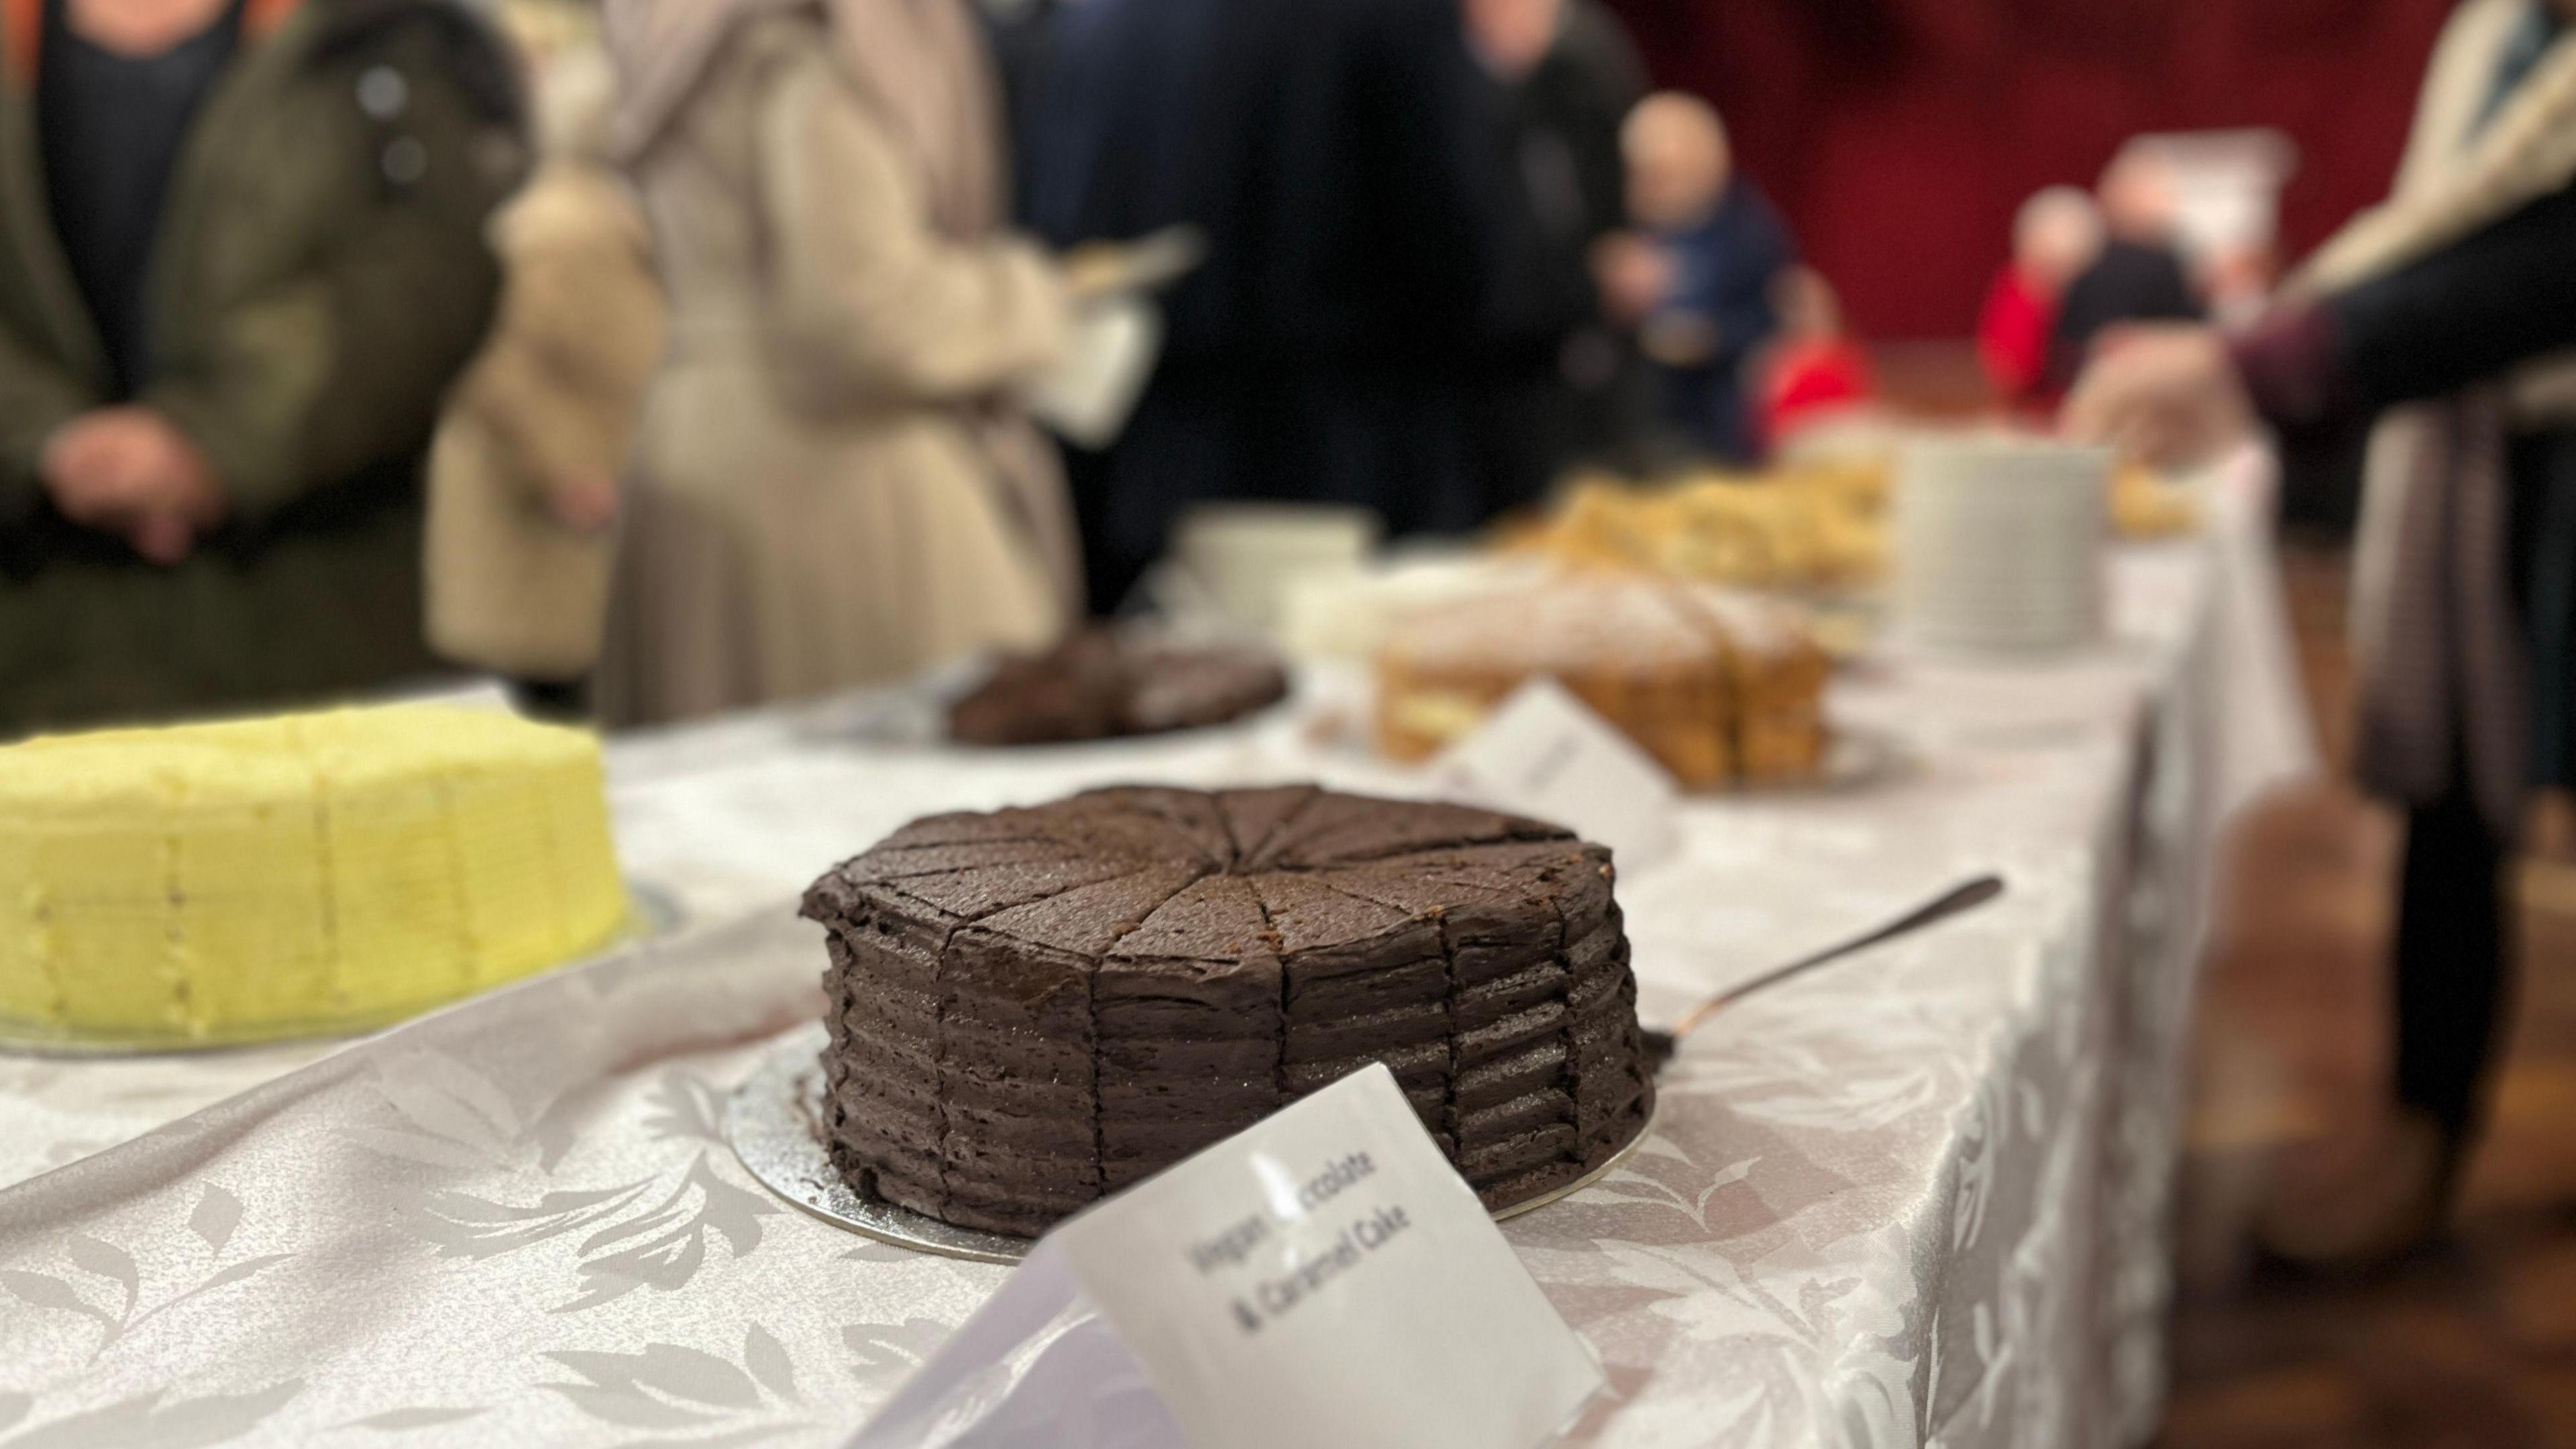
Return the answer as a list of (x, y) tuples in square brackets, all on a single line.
[(1036, 1007), (1099, 684)]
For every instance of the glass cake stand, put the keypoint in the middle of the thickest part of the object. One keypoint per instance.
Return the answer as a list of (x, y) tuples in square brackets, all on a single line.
[(651, 913), (775, 1125)]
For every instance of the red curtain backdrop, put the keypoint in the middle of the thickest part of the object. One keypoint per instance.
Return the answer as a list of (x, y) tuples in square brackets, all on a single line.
[(1899, 135)]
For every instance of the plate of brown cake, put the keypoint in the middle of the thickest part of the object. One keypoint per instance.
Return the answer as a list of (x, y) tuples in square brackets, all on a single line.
[(1032, 1009), (1096, 684)]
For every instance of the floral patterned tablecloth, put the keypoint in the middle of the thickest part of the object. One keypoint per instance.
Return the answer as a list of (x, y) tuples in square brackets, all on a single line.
[(1920, 1199)]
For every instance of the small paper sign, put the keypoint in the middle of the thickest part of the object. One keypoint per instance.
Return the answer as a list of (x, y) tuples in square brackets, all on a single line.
[(1547, 754), (1323, 1278), (1090, 392)]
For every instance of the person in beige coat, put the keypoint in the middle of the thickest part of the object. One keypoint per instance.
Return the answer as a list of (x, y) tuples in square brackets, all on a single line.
[(523, 477), (830, 488)]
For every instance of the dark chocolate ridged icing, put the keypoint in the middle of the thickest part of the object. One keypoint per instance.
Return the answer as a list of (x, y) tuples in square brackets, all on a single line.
[(1033, 1008)]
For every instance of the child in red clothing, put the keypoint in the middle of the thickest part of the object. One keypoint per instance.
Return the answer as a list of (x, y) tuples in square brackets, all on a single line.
[(2055, 237), (1814, 372)]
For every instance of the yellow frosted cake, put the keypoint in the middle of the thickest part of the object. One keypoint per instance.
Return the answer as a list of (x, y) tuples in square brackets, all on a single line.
[(271, 877)]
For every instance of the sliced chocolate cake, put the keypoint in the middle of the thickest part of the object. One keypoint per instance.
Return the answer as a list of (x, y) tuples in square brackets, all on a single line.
[(1037, 1007), (1101, 684)]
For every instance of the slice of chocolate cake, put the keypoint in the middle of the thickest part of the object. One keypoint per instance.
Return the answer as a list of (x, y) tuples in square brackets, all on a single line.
[(1035, 1008), (1100, 684)]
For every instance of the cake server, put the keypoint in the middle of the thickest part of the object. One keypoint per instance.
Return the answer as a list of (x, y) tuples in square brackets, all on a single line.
[(1958, 900)]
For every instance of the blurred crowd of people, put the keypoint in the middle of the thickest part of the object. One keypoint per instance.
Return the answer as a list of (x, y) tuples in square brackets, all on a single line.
[(2082, 264), (668, 356)]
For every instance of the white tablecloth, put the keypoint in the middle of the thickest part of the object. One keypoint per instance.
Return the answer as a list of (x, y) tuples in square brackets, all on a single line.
[(1919, 1199)]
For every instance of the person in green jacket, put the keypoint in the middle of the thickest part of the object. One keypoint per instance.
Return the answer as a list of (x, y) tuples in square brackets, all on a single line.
[(241, 257)]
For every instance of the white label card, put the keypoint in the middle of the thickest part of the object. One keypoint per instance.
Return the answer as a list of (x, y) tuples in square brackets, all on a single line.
[(1322, 1278), (1090, 392), (1547, 754)]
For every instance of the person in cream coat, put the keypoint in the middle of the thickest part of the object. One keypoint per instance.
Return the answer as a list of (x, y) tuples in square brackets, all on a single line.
[(832, 485), (523, 476)]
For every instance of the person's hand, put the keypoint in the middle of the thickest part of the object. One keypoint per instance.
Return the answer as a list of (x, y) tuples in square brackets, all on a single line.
[(2168, 395), (584, 502), (74, 465), (1633, 274), (1093, 270), (1680, 339), (131, 471)]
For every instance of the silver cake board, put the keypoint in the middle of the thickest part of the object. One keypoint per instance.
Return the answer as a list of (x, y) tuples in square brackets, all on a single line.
[(651, 914), (775, 1125)]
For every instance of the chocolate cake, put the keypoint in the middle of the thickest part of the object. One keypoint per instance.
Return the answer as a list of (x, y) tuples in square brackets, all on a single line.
[(1099, 684), (1034, 1008)]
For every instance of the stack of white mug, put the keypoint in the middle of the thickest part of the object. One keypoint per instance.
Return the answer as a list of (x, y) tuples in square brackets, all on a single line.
[(1244, 558), (1999, 544)]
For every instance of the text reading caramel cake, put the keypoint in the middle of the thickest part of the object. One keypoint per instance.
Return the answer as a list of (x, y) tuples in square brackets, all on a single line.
[(1034, 1008)]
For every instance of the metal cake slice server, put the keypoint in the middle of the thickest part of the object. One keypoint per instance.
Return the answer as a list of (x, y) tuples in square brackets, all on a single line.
[(1958, 900)]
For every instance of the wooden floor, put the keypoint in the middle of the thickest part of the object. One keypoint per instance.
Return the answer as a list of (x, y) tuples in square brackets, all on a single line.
[(2472, 1344)]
